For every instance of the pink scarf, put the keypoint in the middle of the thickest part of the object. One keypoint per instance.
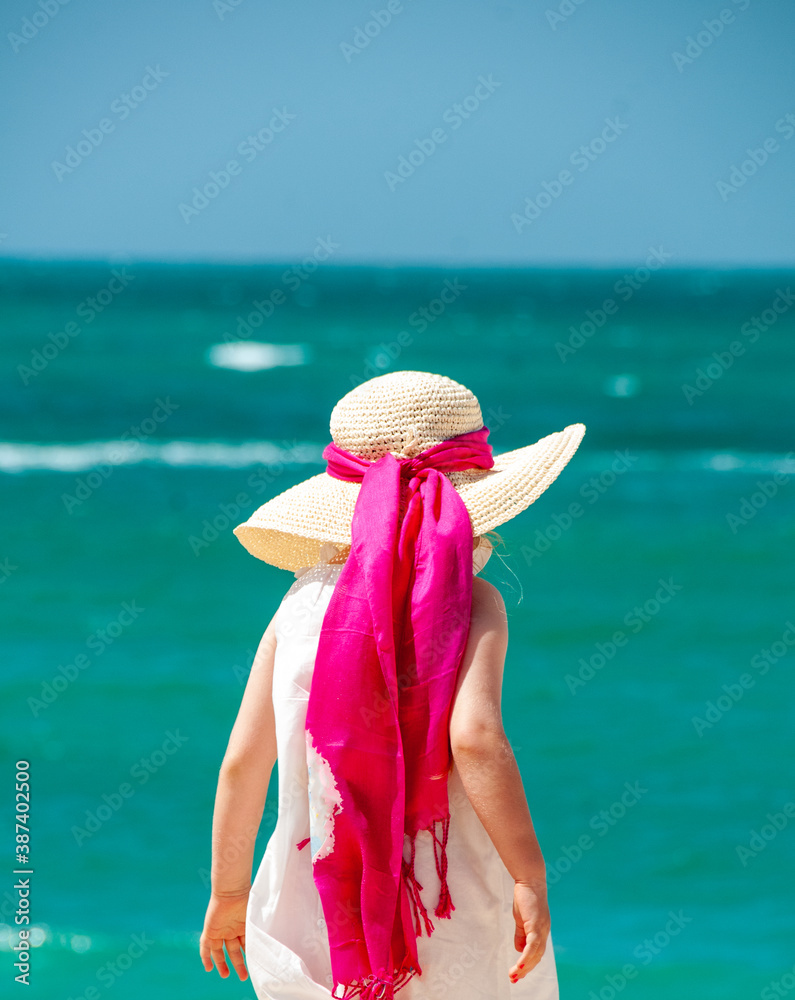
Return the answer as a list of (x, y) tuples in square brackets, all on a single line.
[(387, 662)]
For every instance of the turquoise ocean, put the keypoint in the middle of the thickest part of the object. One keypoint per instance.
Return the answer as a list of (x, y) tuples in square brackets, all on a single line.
[(148, 409)]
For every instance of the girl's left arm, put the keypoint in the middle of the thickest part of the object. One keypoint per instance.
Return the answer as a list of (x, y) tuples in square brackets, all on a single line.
[(239, 804)]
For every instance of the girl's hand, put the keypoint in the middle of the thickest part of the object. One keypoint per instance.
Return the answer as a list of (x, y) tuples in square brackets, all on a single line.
[(225, 923), (531, 913)]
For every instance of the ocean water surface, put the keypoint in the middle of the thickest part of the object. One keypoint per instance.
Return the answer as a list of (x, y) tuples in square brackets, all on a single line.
[(148, 409)]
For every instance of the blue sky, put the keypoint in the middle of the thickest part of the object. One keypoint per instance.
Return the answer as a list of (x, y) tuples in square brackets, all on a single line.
[(440, 132)]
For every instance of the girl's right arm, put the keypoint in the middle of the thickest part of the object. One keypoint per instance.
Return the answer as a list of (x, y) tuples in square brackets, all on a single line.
[(239, 803), (490, 774)]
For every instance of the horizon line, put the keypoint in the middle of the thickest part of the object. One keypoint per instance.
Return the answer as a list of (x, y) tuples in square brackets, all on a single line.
[(116, 259)]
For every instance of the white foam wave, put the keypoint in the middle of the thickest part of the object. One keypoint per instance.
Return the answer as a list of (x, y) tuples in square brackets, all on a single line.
[(96, 940), (700, 461), (253, 356), (82, 456)]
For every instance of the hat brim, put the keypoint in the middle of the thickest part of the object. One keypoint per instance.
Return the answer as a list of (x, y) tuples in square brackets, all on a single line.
[(289, 530)]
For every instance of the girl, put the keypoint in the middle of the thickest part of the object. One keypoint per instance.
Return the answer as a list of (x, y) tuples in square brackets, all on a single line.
[(378, 686)]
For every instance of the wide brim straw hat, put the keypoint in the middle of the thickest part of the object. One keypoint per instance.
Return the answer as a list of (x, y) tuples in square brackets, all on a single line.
[(403, 412)]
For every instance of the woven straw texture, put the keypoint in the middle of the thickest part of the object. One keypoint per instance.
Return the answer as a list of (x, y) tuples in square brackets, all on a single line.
[(403, 413)]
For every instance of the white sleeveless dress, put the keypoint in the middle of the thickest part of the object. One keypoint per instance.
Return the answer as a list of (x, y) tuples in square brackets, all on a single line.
[(287, 950)]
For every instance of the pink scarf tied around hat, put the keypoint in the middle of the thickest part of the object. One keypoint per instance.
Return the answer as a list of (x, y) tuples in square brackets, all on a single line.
[(387, 663)]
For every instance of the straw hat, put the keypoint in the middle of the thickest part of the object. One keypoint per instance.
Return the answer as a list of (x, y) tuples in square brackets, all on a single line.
[(403, 412)]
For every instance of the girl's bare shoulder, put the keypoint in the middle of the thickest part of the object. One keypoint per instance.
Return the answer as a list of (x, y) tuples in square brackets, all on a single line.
[(488, 607)]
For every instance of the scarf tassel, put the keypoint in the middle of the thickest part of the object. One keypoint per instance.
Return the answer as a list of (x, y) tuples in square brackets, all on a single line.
[(445, 906), (377, 988), (413, 889)]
